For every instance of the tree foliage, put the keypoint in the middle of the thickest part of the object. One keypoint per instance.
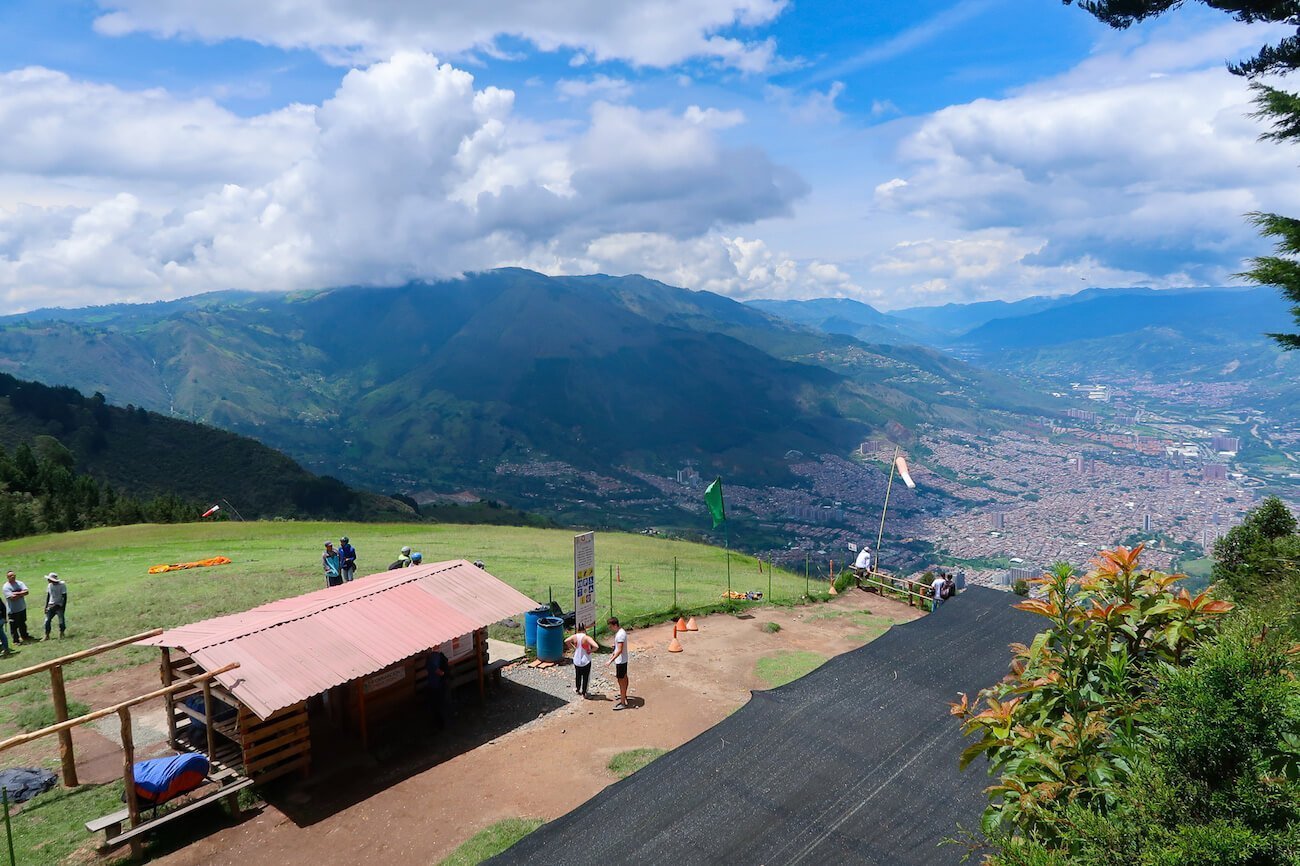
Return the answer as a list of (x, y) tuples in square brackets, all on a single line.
[(1066, 729), (40, 492), (1278, 107), (1259, 560)]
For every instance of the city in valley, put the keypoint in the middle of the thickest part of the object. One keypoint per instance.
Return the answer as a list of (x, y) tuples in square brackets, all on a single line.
[(1171, 466)]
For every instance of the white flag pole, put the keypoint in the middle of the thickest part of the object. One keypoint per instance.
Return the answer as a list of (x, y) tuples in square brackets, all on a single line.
[(893, 467)]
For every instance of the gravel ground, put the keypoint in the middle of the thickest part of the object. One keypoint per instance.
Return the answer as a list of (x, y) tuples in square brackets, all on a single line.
[(558, 681)]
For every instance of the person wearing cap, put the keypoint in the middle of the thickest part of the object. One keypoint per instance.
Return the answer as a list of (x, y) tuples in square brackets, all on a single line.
[(15, 598), (330, 561), (56, 604), (347, 559), (403, 561)]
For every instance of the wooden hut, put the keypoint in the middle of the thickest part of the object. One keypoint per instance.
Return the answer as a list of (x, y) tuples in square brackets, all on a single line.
[(349, 654)]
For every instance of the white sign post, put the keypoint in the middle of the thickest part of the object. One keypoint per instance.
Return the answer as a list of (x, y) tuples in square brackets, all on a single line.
[(584, 579)]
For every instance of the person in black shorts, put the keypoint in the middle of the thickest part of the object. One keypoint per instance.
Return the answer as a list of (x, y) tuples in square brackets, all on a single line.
[(619, 661)]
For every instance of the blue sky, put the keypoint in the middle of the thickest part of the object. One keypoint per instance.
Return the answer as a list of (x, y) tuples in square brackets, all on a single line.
[(900, 153)]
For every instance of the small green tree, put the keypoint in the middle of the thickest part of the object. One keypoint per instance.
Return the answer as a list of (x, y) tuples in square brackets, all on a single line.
[(1257, 561)]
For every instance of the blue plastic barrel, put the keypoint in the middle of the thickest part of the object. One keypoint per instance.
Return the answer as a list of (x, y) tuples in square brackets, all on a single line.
[(550, 638), (530, 624)]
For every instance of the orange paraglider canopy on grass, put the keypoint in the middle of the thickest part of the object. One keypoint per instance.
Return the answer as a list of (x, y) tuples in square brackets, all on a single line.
[(202, 563)]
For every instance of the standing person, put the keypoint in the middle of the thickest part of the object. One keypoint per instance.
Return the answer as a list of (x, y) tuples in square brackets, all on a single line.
[(330, 562), (583, 647), (347, 559), (439, 670), (56, 604), (619, 661), (15, 597), (5, 652), (936, 592)]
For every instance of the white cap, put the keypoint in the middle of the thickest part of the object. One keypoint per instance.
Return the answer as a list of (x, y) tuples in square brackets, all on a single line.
[(51, 576)]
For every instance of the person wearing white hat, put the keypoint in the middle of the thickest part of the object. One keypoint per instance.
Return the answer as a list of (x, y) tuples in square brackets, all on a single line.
[(56, 604)]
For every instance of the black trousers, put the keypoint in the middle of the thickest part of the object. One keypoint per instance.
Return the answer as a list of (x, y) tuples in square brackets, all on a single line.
[(581, 675), (18, 625)]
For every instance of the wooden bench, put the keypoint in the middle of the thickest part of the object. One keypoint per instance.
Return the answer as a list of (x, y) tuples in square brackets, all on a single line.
[(112, 824), (491, 672)]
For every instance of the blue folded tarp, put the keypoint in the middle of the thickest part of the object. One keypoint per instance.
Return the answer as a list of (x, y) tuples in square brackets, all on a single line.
[(161, 779)]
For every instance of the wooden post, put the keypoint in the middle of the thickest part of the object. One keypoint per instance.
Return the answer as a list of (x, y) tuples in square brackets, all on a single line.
[(167, 677), (207, 721), (361, 706), (66, 755), (128, 777), (478, 653)]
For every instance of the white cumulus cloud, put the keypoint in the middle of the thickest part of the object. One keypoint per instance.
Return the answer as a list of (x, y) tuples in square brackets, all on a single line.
[(409, 171), (656, 33), (1137, 166)]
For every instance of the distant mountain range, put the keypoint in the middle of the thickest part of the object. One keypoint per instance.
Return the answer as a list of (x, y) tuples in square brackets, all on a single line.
[(441, 384), (1195, 334)]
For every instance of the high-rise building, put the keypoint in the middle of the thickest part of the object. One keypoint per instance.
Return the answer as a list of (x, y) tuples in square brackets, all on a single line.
[(1225, 443), (998, 520), (1146, 522), (1021, 573), (1214, 472)]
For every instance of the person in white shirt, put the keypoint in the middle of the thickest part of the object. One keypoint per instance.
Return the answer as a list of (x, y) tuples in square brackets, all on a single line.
[(619, 661), (583, 647), (56, 604), (863, 562), (936, 591)]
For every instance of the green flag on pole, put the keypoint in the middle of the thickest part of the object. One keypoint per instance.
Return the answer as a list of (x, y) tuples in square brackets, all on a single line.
[(713, 499)]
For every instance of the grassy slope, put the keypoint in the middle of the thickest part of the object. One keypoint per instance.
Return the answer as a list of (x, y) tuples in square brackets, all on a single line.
[(112, 595)]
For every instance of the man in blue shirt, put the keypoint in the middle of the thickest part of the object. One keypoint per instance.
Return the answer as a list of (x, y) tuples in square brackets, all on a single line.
[(347, 559), (330, 562), (439, 670)]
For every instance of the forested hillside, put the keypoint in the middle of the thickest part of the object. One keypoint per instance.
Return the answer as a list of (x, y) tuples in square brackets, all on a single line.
[(72, 461)]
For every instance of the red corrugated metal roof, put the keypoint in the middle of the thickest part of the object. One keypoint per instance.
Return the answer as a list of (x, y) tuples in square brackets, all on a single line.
[(297, 647)]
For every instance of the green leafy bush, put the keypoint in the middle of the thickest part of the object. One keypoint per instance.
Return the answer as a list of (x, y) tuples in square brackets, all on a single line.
[(1067, 727)]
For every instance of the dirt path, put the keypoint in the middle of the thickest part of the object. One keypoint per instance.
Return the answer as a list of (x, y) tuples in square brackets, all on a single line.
[(549, 765)]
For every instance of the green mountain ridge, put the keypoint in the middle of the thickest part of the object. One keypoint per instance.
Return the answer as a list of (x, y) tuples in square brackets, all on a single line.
[(438, 385)]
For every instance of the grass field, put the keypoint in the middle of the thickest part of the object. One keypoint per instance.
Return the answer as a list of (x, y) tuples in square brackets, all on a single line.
[(112, 595)]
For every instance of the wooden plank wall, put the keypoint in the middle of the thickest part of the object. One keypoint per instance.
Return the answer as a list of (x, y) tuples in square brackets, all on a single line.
[(262, 750), (279, 745)]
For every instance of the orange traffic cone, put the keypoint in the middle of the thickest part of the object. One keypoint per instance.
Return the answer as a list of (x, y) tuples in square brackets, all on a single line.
[(681, 625), (691, 626), (674, 645)]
